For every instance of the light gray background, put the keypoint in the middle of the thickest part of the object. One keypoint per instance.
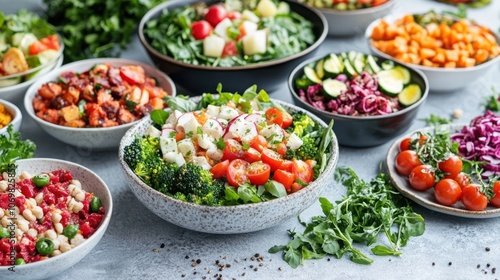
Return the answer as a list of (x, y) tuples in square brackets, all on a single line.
[(130, 249)]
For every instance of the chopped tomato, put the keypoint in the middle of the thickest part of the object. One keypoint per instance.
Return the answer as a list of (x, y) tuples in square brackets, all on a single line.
[(51, 41), (251, 155), (272, 158), (259, 143), (215, 14), (230, 49), (236, 172), (287, 120), (285, 178), (258, 173), (234, 15), (286, 165), (281, 148), (36, 48), (302, 171), (274, 115), (133, 74), (233, 150), (220, 169), (243, 32)]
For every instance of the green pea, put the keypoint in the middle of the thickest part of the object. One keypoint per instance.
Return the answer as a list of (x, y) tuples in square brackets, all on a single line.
[(95, 204), (45, 246), (70, 230), (4, 233), (20, 261), (41, 180)]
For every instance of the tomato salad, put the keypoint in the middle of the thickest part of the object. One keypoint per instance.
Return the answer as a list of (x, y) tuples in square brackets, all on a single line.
[(53, 215), (252, 147), (103, 96)]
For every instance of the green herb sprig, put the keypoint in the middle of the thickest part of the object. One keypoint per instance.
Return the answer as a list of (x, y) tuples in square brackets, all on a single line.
[(12, 148)]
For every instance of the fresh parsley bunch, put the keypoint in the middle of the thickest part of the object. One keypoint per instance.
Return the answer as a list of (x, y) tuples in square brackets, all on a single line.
[(12, 148)]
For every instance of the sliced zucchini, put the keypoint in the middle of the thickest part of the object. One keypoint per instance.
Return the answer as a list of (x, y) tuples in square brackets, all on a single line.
[(388, 64), (319, 68), (302, 83), (410, 94), (372, 63), (348, 69), (352, 56), (311, 75), (405, 74), (390, 82), (333, 88), (359, 63), (333, 65), (10, 82)]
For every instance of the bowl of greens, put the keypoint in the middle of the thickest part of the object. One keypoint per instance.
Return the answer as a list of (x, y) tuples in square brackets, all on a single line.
[(229, 163), (200, 43)]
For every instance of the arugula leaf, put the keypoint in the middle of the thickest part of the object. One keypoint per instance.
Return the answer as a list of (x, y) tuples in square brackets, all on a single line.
[(12, 148), (181, 103), (159, 117)]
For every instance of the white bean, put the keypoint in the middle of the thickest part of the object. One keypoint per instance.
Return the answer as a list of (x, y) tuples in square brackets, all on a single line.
[(55, 253), (58, 227), (24, 175), (19, 233), (29, 215), (77, 207), (80, 195), (77, 240), (31, 202), (56, 243), (1, 213), (62, 239), (5, 221), (51, 234), (37, 211), (64, 247), (32, 232), (56, 217), (39, 198), (4, 185), (23, 225), (71, 188), (76, 183), (17, 193)]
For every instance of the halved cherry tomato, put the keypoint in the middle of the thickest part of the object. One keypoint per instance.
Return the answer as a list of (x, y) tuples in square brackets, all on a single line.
[(302, 171), (296, 187), (495, 200), (133, 74), (215, 14), (234, 15), (233, 150), (37, 47), (220, 169), (447, 192), (285, 178), (286, 165), (272, 158), (259, 143), (51, 41), (236, 172), (405, 144), (230, 49), (281, 148), (451, 166), (462, 179), (287, 120), (422, 178), (258, 173), (201, 29), (406, 161), (274, 115), (473, 199), (251, 155)]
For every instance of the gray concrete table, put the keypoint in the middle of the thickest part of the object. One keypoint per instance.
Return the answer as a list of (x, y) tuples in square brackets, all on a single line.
[(140, 245)]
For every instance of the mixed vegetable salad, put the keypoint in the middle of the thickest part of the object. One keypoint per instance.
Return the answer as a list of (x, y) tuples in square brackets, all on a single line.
[(229, 149), (343, 5), (436, 40), (52, 215), (358, 85), (103, 96), (26, 42), (230, 34)]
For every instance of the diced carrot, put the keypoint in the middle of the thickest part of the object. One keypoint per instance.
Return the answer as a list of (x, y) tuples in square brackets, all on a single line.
[(157, 103), (427, 53), (439, 58), (450, 64), (426, 62), (179, 136), (451, 55)]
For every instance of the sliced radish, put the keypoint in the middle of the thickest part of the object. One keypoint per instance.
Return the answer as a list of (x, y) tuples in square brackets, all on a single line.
[(171, 122), (153, 132), (168, 133), (221, 28), (204, 141), (213, 110), (255, 118), (235, 128), (213, 128), (187, 124), (249, 132)]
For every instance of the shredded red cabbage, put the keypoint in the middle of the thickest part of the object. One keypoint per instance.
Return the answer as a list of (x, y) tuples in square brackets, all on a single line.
[(480, 141), (361, 98)]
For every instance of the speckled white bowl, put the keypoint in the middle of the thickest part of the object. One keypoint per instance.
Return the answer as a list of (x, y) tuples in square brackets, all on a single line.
[(17, 117), (440, 79), (90, 138), (55, 265), (227, 219)]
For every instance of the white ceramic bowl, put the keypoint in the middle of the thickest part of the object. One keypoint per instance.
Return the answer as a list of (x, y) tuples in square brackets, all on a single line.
[(101, 138), (226, 219), (352, 22), (440, 79), (17, 117), (55, 265)]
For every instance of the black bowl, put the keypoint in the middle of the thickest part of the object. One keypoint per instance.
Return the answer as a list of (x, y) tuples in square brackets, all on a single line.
[(364, 131), (199, 79)]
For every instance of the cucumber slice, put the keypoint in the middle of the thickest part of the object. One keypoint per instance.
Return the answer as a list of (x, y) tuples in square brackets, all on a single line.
[(319, 68), (349, 70), (372, 63), (10, 82), (410, 94), (359, 63), (352, 56), (390, 82), (302, 83), (311, 75), (388, 64), (333, 88), (405, 74), (333, 65)]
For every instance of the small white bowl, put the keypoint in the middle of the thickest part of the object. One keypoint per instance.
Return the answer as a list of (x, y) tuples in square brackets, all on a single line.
[(440, 79), (55, 265), (101, 138), (17, 117), (227, 219), (352, 22)]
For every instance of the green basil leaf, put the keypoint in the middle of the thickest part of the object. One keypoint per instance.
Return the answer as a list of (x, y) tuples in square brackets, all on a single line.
[(159, 117), (275, 188)]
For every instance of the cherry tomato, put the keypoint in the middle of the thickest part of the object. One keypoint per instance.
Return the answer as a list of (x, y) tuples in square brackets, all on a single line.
[(274, 115), (473, 199), (296, 187), (259, 143), (233, 150), (133, 74), (405, 144), (495, 200), (234, 15), (447, 192), (236, 172), (406, 161), (462, 179), (251, 155), (37, 47), (302, 171), (286, 165), (230, 49), (272, 158), (258, 173), (220, 169), (451, 166), (422, 139), (422, 178), (285, 178), (51, 41), (287, 120), (215, 14), (281, 148), (201, 29)]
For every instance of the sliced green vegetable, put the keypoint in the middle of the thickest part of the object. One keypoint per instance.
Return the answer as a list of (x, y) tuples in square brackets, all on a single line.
[(349, 69), (372, 63), (390, 82), (410, 95), (359, 63), (333, 65), (333, 87), (311, 75), (320, 71), (10, 82)]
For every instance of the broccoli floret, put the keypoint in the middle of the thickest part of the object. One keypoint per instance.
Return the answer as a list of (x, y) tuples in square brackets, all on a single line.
[(164, 176), (144, 157), (302, 124), (308, 150), (197, 185)]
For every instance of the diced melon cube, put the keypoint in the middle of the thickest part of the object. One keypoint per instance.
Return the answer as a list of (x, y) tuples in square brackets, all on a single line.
[(249, 15), (255, 43), (267, 8), (213, 46)]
